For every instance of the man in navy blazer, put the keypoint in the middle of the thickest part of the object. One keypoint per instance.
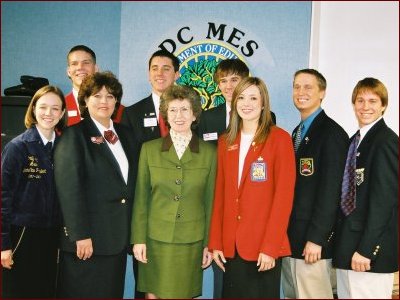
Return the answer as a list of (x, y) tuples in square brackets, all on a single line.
[(143, 116), (321, 148), (213, 122), (366, 252)]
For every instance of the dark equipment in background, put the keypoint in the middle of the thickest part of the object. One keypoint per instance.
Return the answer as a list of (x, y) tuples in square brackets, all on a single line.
[(28, 87)]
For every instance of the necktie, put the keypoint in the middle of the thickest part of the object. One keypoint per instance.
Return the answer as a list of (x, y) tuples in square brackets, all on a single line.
[(110, 136), (163, 126), (297, 139), (49, 147), (348, 198)]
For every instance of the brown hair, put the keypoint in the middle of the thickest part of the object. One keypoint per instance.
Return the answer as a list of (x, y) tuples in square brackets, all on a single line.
[(30, 118), (265, 121), (231, 66), (92, 84), (320, 78), (373, 85), (180, 92)]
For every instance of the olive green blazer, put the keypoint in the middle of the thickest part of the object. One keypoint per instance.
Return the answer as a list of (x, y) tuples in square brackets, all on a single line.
[(173, 197)]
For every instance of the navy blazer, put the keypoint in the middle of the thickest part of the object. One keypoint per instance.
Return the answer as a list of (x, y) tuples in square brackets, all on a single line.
[(28, 192), (372, 228), (320, 161), (213, 121), (95, 200), (139, 117)]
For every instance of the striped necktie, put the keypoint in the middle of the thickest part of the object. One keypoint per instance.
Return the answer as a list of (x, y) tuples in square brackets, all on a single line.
[(348, 198), (297, 139)]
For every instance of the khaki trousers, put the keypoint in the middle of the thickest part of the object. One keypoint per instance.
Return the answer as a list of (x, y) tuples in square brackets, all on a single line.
[(311, 281), (364, 285)]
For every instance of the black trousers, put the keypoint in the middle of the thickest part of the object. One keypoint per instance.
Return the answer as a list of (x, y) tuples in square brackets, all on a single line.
[(135, 265), (218, 279), (242, 280), (101, 276), (34, 272)]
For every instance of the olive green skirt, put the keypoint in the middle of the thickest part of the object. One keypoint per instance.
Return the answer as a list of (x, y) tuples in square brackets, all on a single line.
[(172, 270)]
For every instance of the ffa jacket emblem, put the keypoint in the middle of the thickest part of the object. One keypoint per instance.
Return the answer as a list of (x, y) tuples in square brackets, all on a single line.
[(306, 166), (359, 176)]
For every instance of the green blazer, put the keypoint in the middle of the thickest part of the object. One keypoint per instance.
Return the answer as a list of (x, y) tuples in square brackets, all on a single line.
[(173, 197)]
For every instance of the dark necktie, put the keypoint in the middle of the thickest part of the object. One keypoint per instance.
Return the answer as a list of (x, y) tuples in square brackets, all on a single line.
[(297, 138), (49, 147), (110, 136), (163, 126), (348, 198)]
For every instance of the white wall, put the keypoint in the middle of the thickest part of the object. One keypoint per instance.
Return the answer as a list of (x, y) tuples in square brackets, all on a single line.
[(351, 41)]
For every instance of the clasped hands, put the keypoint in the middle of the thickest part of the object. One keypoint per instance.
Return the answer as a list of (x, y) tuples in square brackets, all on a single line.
[(264, 261), (140, 253)]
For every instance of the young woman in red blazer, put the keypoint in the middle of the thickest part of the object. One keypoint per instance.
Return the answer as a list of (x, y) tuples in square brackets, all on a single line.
[(253, 196)]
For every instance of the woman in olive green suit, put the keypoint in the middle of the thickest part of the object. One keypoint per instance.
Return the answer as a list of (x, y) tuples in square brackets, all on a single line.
[(173, 202)]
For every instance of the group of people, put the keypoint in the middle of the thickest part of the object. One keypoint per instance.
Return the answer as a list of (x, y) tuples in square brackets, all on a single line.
[(181, 189)]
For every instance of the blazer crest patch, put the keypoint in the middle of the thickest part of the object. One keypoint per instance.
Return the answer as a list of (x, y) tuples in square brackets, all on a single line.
[(258, 170), (360, 176), (306, 166)]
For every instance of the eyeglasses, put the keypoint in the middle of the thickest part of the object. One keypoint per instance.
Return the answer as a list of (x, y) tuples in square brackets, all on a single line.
[(185, 111)]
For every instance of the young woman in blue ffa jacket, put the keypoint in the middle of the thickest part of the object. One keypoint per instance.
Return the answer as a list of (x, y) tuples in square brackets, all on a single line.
[(366, 251), (253, 196), (95, 173), (30, 215), (173, 202)]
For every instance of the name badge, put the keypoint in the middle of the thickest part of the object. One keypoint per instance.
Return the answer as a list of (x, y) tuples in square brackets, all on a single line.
[(212, 136), (258, 170), (72, 113), (150, 122)]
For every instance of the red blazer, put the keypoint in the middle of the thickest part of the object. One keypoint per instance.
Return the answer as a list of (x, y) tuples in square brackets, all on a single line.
[(73, 114), (254, 216)]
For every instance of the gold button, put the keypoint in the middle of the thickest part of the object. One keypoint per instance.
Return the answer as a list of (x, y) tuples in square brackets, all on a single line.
[(237, 200), (238, 217), (123, 201), (177, 197), (178, 181), (377, 247)]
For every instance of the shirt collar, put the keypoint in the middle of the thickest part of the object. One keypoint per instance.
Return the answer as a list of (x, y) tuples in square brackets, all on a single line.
[(75, 93), (308, 121), (193, 145), (101, 128), (364, 130), (44, 139)]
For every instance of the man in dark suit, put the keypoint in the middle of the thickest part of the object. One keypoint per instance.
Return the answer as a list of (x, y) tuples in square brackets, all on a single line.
[(213, 122), (143, 117), (366, 248), (321, 147)]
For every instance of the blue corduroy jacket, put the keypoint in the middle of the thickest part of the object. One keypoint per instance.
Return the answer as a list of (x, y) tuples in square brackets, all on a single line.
[(28, 191)]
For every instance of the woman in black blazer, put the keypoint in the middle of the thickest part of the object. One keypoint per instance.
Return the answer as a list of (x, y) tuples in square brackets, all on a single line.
[(95, 171)]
